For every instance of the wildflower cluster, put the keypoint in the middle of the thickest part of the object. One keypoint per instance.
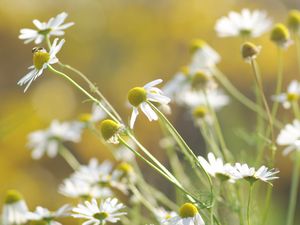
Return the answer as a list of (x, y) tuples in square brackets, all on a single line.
[(202, 90)]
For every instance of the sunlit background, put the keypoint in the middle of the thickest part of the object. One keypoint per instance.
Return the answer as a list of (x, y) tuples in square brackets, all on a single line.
[(120, 44)]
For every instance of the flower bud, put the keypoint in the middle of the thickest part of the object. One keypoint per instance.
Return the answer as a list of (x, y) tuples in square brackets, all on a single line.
[(109, 129), (249, 51), (281, 35), (293, 20)]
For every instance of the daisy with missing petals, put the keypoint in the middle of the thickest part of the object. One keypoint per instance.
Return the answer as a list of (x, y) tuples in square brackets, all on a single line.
[(139, 96), (111, 130), (216, 168), (244, 24), (41, 60), (107, 211), (252, 175), (54, 27), (14, 209), (290, 136), (44, 216), (48, 141), (291, 96), (188, 214)]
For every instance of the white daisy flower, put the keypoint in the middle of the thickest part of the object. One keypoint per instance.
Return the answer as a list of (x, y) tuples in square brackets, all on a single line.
[(290, 136), (245, 24), (216, 168), (14, 209), (43, 214), (75, 188), (139, 96), (48, 141), (291, 95), (215, 97), (252, 175), (164, 216), (41, 60), (54, 27), (188, 215), (204, 56), (94, 214)]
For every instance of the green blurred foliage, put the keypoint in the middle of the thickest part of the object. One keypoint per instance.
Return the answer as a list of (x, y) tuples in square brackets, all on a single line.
[(120, 44)]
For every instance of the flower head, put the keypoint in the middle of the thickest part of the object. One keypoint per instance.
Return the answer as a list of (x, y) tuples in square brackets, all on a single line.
[(139, 96), (54, 27), (245, 24), (14, 209), (164, 216), (48, 141), (290, 136), (252, 175), (41, 60), (188, 214), (281, 35), (107, 211), (249, 51), (293, 20), (110, 131), (216, 168), (291, 96)]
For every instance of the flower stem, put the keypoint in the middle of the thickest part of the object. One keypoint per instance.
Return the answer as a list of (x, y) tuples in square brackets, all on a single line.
[(69, 157), (297, 43), (294, 190), (84, 92), (249, 203)]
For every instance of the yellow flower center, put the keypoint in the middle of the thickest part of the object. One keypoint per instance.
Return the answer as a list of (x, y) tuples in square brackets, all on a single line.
[(12, 196), (125, 167), (280, 34), (188, 210), (197, 44), (38, 222), (40, 57), (101, 216), (200, 112), (249, 50), (136, 96), (85, 117), (199, 80), (293, 20), (245, 32), (292, 97), (109, 128), (44, 32)]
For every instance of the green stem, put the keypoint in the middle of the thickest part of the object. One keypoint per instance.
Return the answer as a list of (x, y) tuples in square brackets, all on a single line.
[(295, 107), (297, 43), (69, 157), (93, 89), (279, 82), (178, 137), (249, 203), (294, 190), (84, 92)]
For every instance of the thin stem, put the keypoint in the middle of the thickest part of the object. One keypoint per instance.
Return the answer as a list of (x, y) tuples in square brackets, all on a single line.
[(294, 190), (241, 97), (84, 92), (178, 137), (297, 43), (249, 203), (295, 107), (260, 87), (69, 157), (279, 81), (93, 89)]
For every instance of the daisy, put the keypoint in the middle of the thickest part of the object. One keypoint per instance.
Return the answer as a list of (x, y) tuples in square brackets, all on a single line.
[(139, 96), (111, 130), (75, 188), (252, 175), (48, 141), (281, 36), (188, 214), (43, 214), (54, 27), (216, 168), (245, 24), (98, 214), (290, 96), (290, 136), (164, 216), (41, 60), (14, 209), (204, 56)]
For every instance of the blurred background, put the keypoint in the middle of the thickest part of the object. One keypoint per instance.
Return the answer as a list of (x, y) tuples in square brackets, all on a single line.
[(120, 44)]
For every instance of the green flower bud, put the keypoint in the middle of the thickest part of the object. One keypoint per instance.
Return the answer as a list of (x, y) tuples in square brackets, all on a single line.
[(280, 35), (109, 128), (136, 96), (12, 196), (188, 210), (293, 20), (249, 51)]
